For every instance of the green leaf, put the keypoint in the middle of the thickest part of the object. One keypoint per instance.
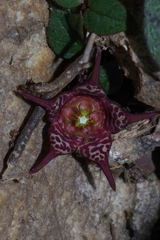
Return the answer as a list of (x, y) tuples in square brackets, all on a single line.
[(106, 7), (105, 17), (111, 77), (63, 39), (152, 28), (55, 7), (68, 3), (76, 22)]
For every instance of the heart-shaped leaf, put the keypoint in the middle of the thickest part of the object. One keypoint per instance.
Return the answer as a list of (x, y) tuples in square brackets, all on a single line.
[(105, 17), (68, 3), (63, 39), (76, 22)]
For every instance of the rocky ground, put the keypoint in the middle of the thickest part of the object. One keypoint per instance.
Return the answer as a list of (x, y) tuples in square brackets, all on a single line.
[(70, 199)]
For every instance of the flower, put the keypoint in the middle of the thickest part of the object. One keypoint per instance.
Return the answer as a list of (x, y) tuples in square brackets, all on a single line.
[(83, 120)]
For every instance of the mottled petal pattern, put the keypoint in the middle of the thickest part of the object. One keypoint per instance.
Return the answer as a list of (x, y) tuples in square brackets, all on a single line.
[(92, 86), (83, 120), (119, 118), (53, 106), (97, 151)]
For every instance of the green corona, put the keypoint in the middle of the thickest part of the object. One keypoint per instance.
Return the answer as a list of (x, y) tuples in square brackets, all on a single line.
[(82, 120)]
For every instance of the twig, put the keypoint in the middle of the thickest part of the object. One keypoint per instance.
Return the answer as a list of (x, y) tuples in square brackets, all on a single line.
[(88, 48), (70, 73), (59, 83), (25, 134)]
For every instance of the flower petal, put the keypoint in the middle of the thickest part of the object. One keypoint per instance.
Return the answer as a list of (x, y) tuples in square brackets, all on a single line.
[(59, 145), (119, 118), (60, 141), (97, 151), (40, 101), (52, 154), (92, 86)]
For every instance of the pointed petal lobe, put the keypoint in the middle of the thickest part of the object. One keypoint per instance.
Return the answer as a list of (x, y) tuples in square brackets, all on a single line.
[(138, 117), (92, 86), (119, 118), (105, 168), (40, 101), (97, 151), (59, 145), (52, 154), (94, 80)]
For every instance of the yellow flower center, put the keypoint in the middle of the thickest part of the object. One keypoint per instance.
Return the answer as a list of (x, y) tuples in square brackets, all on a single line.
[(82, 120), (82, 116)]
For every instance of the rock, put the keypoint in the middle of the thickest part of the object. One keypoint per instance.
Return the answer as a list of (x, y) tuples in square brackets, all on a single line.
[(67, 199)]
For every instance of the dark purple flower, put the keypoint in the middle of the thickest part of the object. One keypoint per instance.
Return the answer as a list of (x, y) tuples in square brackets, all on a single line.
[(83, 120)]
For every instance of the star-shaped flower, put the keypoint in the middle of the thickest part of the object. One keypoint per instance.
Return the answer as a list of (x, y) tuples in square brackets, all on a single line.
[(83, 120)]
